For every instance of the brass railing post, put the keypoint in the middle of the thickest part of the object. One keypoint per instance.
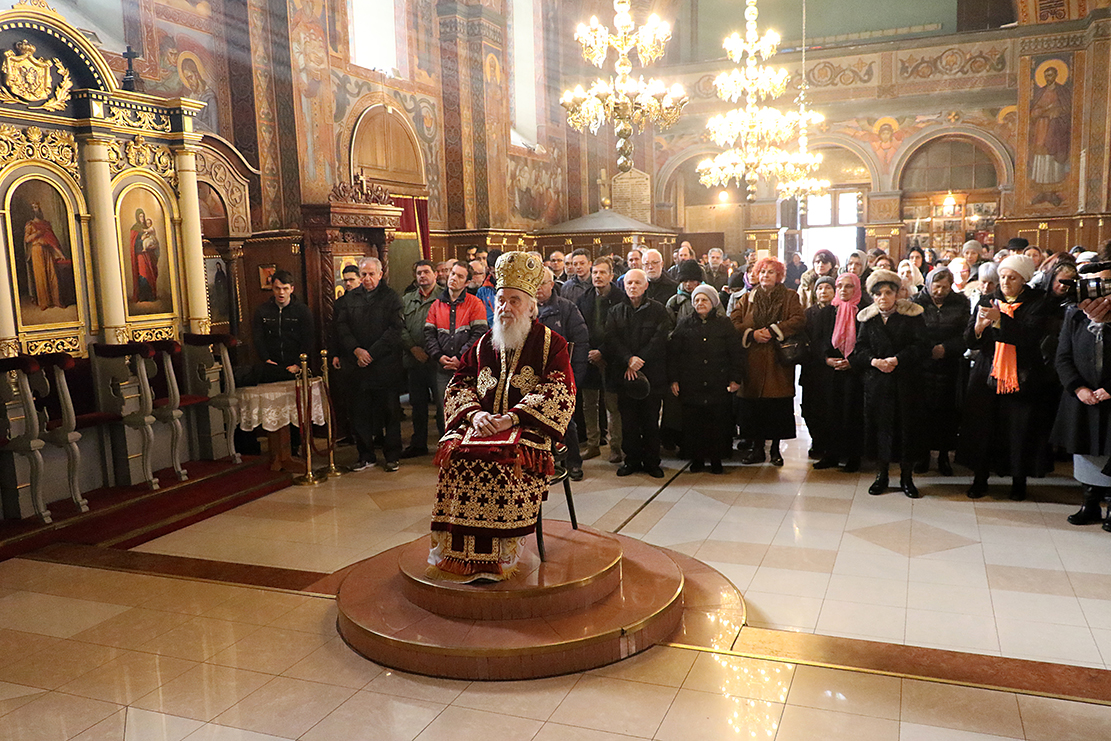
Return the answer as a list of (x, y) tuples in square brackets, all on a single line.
[(326, 398), (309, 478)]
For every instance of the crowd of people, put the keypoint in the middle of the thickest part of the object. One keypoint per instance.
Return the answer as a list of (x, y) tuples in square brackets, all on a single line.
[(990, 362)]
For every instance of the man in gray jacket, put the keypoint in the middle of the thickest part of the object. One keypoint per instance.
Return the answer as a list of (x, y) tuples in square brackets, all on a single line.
[(421, 368)]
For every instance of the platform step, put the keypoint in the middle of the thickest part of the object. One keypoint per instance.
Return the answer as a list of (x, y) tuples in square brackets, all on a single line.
[(583, 567), (378, 620)]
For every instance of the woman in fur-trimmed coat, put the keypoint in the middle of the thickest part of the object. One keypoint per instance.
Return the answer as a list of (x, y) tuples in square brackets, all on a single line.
[(890, 347)]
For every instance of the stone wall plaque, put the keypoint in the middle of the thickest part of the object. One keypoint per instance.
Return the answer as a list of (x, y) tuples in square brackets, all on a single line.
[(632, 195)]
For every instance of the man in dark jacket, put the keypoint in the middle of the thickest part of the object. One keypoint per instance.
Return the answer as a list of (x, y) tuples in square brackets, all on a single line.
[(563, 317), (282, 330), (636, 344), (422, 369), (369, 326), (595, 306), (660, 286)]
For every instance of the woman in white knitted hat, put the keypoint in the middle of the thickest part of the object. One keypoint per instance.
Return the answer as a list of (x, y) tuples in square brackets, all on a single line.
[(1010, 382)]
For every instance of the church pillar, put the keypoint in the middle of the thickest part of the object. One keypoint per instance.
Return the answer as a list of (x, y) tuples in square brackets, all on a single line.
[(191, 241), (9, 335), (111, 294)]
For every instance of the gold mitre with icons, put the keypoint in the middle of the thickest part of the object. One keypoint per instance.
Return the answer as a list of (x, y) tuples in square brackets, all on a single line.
[(519, 270)]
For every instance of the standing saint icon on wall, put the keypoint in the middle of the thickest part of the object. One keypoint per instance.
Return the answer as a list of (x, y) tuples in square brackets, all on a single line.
[(1050, 130)]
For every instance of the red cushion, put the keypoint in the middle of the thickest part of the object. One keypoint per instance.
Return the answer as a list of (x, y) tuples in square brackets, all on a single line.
[(188, 400)]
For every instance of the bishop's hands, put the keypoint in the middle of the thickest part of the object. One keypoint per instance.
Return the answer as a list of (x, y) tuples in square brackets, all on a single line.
[(486, 424)]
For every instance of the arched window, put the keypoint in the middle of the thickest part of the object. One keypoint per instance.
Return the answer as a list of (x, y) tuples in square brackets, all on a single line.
[(373, 34), (949, 164), (523, 32)]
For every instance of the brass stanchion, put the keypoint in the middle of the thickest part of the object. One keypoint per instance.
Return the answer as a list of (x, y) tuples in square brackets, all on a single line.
[(309, 478), (326, 397)]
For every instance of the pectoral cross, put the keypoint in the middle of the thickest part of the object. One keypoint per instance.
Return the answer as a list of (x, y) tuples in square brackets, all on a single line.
[(131, 80)]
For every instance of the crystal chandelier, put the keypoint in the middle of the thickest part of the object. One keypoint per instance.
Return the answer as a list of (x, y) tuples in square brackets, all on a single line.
[(756, 134), (630, 102), (794, 171)]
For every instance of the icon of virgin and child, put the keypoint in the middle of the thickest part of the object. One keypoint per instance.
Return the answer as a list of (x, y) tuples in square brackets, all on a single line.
[(144, 248)]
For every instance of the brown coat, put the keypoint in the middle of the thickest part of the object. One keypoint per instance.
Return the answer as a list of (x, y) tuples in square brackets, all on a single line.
[(766, 378)]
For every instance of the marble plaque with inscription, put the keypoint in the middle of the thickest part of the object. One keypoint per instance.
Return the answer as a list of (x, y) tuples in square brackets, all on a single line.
[(632, 195)]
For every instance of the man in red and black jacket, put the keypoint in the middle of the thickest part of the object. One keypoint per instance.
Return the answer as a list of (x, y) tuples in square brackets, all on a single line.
[(455, 322)]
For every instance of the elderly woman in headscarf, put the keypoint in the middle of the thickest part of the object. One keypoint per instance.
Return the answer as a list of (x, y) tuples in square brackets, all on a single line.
[(945, 312), (705, 364), (833, 332), (812, 370), (985, 282), (769, 313), (911, 279), (891, 344), (958, 266), (857, 262), (825, 263), (1009, 382)]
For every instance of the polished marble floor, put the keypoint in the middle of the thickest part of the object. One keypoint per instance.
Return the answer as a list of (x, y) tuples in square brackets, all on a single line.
[(116, 656)]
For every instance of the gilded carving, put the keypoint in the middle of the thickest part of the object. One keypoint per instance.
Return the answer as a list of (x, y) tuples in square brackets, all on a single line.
[(69, 344), (204, 324), (139, 119), (152, 334), (360, 192), (36, 5), (32, 143), (139, 153), (231, 187), (9, 348), (29, 79)]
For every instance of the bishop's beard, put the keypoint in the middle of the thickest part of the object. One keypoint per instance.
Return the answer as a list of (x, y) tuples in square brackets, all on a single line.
[(510, 333)]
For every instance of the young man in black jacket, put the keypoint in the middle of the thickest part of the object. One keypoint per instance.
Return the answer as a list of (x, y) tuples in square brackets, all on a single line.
[(282, 330), (369, 327)]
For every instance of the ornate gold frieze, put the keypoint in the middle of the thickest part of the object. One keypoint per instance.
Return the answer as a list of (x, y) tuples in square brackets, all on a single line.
[(139, 153), (39, 345), (139, 119), (360, 191), (204, 324), (9, 348), (32, 143), (151, 334), (29, 79)]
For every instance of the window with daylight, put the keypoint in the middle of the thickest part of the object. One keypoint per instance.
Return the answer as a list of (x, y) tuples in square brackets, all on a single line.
[(373, 34), (524, 71)]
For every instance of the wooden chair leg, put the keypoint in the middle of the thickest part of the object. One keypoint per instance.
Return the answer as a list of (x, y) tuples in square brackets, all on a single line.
[(34, 458), (175, 449), (570, 503), (146, 435), (73, 465)]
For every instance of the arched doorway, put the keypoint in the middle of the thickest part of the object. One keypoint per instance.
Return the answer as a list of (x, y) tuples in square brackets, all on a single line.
[(834, 220), (950, 194)]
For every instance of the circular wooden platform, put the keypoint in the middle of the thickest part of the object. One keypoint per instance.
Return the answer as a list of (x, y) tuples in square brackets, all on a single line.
[(597, 599)]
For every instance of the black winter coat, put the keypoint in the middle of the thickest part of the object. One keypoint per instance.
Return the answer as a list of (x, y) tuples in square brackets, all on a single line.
[(596, 324), (1026, 331), (1082, 429), (282, 334), (372, 320), (642, 332), (832, 400), (704, 356), (942, 379), (892, 410)]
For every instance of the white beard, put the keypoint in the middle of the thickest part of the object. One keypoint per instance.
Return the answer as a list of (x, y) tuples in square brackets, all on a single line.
[(510, 334)]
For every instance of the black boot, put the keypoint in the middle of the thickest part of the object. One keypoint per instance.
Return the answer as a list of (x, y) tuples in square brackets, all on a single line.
[(697, 465), (943, 465), (979, 488), (756, 454), (879, 486), (1018, 488), (1089, 511), (906, 483), (775, 458)]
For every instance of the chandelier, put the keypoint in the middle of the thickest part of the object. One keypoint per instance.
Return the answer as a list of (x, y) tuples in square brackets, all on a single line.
[(630, 102), (755, 136)]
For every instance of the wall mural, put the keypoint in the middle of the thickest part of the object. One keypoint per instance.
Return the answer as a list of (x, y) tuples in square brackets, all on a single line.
[(536, 188), (40, 234), (1050, 129), (143, 229), (309, 53), (188, 67)]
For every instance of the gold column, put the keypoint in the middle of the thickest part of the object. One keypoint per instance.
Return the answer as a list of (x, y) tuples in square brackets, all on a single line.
[(111, 294), (9, 334), (191, 241)]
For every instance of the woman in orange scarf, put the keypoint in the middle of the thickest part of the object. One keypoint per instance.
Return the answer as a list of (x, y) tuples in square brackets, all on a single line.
[(1010, 382)]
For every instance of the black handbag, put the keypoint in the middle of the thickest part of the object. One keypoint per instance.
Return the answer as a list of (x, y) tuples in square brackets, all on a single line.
[(792, 350)]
